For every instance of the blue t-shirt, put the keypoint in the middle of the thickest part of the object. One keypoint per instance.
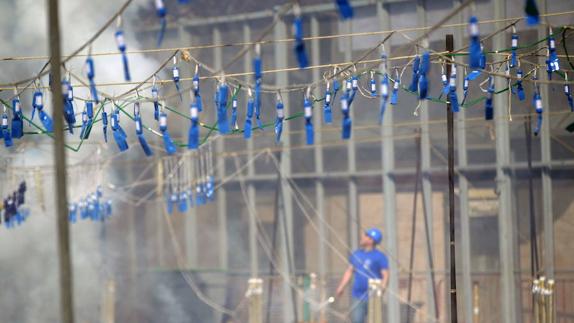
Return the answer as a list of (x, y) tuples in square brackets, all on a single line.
[(366, 264)]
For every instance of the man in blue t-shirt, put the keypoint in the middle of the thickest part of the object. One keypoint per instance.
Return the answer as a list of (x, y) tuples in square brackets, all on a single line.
[(366, 262)]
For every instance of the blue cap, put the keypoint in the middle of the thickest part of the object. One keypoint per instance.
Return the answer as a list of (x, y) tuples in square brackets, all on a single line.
[(375, 234)]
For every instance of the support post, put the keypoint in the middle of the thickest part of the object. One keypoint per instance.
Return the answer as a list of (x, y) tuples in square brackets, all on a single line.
[(375, 311), (319, 186), (450, 130), (504, 187), (220, 172), (251, 190), (254, 294), (352, 195), (61, 196), (389, 195), (281, 61), (463, 203), (427, 188), (191, 217), (546, 154)]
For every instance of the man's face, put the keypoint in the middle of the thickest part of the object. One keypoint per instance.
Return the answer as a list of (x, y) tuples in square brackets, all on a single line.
[(366, 241)]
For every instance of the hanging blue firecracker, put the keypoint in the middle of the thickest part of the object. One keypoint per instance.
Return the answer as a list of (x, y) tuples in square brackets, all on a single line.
[(298, 34), (384, 87), (91, 74), (193, 135), (474, 46), (175, 77), (327, 112), (210, 188), (532, 14), (169, 145), (415, 80), (465, 85), (155, 98), (384, 96), (38, 104), (199, 194), (73, 213), (345, 9), (119, 133), (87, 120), (161, 13), (519, 87), (552, 62), (452, 96), (6, 134), (567, 92), (222, 94), (537, 102), (121, 43), (445, 83), (308, 113), (396, 84), (280, 116), (182, 205), (423, 71), (347, 122), (514, 47), (258, 73), (352, 89), (233, 123), (488, 107), (248, 116), (67, 97), (196, 89), (171, 200), (17, 118), (84, 125), (105, 124), (373, 85), (139, 131)]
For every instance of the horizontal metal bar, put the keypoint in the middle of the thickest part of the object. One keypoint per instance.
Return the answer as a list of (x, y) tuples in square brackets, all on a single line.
[(466, 171), (256, 15)]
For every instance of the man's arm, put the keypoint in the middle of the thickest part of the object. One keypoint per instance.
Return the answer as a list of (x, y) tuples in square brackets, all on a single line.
[(345, 280), (385, 278)]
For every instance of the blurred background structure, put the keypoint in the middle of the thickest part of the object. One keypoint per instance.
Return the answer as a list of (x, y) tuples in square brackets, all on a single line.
[(291, 213)]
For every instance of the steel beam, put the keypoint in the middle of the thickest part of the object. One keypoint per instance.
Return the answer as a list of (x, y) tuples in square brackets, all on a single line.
[(220, 173), (352, 196), (504, 187), (281, 61), (425, 167), (318, 153), (251, 190), (389, 195), (463, 183), (546, 153), (191, 219)]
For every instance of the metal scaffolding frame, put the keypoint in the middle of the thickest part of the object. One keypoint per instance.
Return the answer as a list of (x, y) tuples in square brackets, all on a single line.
[(389, 174)]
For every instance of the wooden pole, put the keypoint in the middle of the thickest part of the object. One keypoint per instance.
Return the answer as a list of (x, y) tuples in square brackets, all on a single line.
[(61, 197), (450, 129)]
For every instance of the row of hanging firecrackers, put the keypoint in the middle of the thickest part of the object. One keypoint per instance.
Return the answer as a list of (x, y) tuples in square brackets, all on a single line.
[(14, 214), (188, 173), (93, 207)]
